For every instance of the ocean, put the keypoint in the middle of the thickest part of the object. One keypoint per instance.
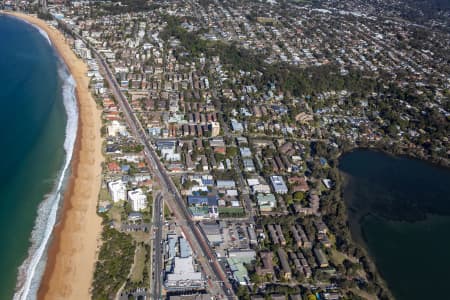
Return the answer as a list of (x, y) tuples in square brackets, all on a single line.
[(38, 123), (399, 208)]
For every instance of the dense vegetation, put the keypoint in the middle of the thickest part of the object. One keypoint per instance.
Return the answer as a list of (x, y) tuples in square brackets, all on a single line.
[(291, 79), (116, 7), (113, 265)]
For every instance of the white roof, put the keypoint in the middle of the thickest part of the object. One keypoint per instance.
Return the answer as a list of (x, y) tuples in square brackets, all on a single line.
[(184, 270)]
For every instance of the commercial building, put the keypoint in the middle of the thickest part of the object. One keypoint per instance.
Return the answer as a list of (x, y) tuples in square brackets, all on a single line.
[(212, 232), (185, 248), (183, 276), (236, 259)]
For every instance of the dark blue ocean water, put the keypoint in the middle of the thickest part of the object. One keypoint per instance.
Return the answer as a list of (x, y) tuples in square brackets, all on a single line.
[(32, 130)]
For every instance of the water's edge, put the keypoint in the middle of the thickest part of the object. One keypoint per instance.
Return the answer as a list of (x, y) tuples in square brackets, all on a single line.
[(31, 270)]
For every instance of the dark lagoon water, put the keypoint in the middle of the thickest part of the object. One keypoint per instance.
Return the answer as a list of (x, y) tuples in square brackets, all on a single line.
[(37, 107), (399, 208)]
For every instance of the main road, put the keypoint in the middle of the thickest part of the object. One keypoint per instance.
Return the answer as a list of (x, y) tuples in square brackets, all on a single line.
[(175, 201), (219, 285), (157, 243)]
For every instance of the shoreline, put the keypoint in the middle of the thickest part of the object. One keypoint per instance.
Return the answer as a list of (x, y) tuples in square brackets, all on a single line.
[(72, 251), (412, 155), (356, 219)]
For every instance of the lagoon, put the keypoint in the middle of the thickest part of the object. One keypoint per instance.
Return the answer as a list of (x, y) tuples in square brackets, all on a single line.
[(399, 209)]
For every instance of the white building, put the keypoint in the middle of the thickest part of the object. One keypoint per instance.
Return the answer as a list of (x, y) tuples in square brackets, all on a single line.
[(116, 128), (261, 188), (117, 190), (138, 200), (245, 152), (215, 129), (184, 275), (278, 184), (249, 166)]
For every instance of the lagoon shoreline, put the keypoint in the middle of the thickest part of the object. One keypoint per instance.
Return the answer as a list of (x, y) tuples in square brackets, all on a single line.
[(370, 192), (72, 252)]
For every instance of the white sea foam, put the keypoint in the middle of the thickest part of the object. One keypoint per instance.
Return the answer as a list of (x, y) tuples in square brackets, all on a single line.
[(41, 31), (31, 270)]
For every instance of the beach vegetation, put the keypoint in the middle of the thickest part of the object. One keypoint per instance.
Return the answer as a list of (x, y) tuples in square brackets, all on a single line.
[(115, 259)]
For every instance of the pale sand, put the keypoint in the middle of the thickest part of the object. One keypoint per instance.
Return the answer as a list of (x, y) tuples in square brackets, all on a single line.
[(73, 252)]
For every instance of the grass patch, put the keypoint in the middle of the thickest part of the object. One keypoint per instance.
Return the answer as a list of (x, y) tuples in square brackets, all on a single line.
[(139, 264), (167, 213), (337, 257), (104, 195), (231, 212), (115, 212)]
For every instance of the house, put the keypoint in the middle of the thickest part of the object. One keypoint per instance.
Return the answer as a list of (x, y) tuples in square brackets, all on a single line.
[(322, 260), (154, 131), (245, 152), (249, 166), (217, 142), (202, 200), (328, 183), (207, 180), (215, 128), (134, 217), (113, 167), (125, 168), (278, 297), (236, 126), (225, 184)]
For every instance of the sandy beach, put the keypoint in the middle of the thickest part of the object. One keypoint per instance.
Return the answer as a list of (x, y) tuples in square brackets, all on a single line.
[(73, 250)]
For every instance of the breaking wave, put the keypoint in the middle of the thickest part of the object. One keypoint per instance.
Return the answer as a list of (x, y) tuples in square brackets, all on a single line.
[(31, 271), (41, 31)]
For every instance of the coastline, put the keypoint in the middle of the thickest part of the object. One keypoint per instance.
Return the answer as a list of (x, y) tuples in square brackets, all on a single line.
[(73, 249)]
